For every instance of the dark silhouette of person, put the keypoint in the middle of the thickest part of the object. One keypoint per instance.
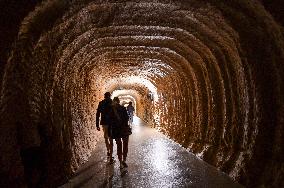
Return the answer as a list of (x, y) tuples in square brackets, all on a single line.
[(31, 155), (104, 111), (130, 111), (120, 131)]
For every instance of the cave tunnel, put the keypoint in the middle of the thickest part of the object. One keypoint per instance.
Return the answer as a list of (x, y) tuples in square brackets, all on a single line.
[(207, 74)]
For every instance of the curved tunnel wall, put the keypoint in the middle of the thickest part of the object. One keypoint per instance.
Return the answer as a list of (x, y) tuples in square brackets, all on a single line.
[(214, 70)]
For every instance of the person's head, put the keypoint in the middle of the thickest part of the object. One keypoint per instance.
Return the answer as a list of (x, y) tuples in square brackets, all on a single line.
[(116, 100), (107, 95), (130, 103)]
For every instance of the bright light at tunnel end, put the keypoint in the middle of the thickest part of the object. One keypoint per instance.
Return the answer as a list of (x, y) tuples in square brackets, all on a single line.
[(136, 80)]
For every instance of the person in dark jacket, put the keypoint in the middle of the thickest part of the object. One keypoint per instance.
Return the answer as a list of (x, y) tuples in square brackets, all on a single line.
[(104, 111), (130, 111), (120, 131)]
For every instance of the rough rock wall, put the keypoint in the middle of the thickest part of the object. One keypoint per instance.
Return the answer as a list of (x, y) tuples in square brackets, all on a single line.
[(12, 13), (206, 73), (261, 42)]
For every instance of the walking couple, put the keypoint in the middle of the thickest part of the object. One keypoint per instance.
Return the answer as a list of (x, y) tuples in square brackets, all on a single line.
[(114, 121)]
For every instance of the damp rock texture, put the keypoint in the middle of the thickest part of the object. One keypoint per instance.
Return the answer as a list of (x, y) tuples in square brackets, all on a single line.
[(205, 73)]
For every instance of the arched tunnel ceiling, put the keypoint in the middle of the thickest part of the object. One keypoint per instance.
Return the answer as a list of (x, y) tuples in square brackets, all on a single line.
[(194, 68)]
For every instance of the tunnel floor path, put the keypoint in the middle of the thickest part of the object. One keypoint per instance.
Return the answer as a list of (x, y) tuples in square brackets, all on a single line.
[(153, 161)]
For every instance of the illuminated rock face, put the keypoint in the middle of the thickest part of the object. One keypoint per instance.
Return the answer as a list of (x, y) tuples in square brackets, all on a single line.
[(206, 74)]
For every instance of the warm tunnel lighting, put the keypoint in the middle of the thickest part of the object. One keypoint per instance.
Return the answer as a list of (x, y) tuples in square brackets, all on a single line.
[(207, 74), (134, 80), (125, 99), (151, 92)]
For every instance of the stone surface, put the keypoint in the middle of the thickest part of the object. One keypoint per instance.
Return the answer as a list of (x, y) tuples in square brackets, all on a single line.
[(153, 161), (208, 74)]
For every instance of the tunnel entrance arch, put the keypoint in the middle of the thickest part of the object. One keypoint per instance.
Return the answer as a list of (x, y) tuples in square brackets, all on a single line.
[(211, 77)]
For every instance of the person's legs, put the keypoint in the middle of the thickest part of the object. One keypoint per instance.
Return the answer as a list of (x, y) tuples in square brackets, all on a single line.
[(125, 147), (107, 140), (31, 159), (119, 149), (131, 119), (111, 160)]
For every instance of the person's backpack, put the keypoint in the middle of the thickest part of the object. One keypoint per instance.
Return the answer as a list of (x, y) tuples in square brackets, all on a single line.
[(122, 119)]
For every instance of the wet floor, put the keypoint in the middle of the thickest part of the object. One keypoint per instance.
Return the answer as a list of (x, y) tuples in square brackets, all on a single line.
[(154, 161)]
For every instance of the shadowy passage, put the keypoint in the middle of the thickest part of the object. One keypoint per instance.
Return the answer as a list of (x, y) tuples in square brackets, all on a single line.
[(153, 161)]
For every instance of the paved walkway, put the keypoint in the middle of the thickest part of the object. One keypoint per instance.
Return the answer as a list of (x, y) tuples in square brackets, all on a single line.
[(154, 161)]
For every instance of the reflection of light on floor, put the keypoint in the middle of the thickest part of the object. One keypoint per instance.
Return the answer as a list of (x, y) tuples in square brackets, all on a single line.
[(160, 157), (136, 120), (136, 125), (159, 154)]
